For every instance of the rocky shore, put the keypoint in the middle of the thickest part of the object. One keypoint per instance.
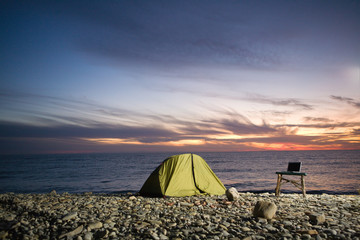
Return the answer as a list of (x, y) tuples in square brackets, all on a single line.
[(99, 216)]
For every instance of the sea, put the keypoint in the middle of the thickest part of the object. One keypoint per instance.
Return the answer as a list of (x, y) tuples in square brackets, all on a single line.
[(331, 172)]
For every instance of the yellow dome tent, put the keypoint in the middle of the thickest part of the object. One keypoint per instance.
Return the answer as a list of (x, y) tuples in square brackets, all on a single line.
[(182, 175)]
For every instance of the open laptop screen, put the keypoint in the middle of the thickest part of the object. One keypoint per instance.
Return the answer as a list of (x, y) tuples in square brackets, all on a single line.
[(294, 167)]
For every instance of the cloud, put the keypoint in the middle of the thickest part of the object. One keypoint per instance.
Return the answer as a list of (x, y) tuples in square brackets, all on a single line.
[(250, 97), (285, 138), (11, 130), (84, 123), (323, 125), (349, 101), (241, 128), (52, 111), (162, 129), (292, 102), (180, 130), (234, 123), (81, 118), (200, 129), (356, 131), (317, 119)]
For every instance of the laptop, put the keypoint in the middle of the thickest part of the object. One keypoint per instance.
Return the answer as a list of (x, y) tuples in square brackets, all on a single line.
[(294, 167)]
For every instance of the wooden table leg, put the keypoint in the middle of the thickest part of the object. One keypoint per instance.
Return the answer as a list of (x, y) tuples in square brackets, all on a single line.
[(303, 186), (277, 189)]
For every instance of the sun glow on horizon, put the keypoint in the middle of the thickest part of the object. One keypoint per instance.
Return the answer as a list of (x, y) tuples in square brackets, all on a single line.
[(230, 143), (114, 141)]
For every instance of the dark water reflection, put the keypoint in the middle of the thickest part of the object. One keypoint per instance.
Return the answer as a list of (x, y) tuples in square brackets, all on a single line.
[(328, 171)]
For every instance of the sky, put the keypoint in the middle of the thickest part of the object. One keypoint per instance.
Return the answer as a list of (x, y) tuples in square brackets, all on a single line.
[(184, 76)]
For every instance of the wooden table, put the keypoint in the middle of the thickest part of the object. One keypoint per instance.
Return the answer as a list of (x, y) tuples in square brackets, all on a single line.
[(299, 184)]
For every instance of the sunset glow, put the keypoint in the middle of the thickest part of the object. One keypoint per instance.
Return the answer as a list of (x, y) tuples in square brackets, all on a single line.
[(134, 142)]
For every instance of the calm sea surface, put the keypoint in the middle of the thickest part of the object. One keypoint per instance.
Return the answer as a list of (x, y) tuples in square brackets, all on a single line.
[(336, 172)]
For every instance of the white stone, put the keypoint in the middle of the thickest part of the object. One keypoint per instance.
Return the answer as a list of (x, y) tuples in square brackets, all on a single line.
[(245, 229), (232, 194), (95, 225), (73, 233), (69, 216), (265, 209), (88, 236)]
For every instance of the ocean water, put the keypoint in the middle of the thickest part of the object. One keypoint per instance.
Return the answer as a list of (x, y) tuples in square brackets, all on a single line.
[(335, 172)]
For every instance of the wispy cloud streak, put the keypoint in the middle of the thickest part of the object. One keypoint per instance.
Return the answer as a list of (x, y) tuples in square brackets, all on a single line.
[(350, 101), (323, 125), (317, 119), (292, 102)]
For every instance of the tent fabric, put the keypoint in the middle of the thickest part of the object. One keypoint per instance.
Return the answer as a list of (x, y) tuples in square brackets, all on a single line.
[(182, 175)]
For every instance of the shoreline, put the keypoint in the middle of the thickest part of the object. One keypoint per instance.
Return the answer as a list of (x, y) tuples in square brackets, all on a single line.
[(136, 192), (130, 216)]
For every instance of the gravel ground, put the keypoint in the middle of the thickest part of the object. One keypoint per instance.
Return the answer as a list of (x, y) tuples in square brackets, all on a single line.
[(128, 216)]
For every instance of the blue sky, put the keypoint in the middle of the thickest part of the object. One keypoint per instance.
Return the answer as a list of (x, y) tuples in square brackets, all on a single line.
[(124, 76)]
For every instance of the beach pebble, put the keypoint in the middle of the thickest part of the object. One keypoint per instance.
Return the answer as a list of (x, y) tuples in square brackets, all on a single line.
[(154, 236), (101, 234), (9, 217), (245, 229), (305, 237), (317, 218), (264, 209), (232, 194), (3, 234), (330, 232), (95, 225), (186, 204), (270, 228), (88, 236), (73, 233), (310, 232), (69, 216), (163, 237)]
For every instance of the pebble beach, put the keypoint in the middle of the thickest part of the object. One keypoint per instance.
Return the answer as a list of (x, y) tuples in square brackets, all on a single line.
[(130, 216)]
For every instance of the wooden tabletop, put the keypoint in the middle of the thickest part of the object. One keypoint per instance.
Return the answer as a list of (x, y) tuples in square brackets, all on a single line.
[(292, 173)]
